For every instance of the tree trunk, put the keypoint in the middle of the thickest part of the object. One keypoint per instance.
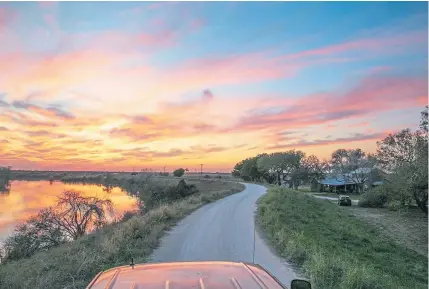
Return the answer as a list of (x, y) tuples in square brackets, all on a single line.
[(278, 179)]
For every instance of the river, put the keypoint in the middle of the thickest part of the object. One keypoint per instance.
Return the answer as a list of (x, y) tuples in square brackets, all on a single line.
[(26, 198)]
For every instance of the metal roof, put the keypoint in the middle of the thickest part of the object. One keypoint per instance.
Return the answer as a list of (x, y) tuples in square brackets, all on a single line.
[(336, 182)]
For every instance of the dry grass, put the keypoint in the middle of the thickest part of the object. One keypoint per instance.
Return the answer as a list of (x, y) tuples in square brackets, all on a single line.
[(408, 229), (73, 265)]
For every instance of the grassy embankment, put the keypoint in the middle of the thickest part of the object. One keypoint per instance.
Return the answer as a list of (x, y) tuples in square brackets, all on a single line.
[(335, 249), (74, 264)]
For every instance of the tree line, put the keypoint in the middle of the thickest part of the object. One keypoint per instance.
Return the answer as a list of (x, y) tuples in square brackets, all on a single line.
[(401, 162)]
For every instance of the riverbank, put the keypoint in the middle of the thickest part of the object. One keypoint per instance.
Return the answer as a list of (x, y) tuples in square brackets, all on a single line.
[(73, 265), (334, 248)]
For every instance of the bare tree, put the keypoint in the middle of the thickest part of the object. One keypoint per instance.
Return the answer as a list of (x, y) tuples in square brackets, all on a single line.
[(73, 216), (353, 166), (76, 215)]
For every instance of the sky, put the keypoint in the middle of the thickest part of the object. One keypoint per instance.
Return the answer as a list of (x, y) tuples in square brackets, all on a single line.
[(117, 85)]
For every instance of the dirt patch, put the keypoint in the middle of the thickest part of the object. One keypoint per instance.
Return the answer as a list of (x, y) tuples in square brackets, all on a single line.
[(409, 229)]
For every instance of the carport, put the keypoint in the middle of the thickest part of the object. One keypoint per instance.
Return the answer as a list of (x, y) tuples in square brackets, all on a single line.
[(337, 185)]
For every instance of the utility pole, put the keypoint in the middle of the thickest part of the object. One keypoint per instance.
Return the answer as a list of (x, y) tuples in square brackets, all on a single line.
[(201, 169), (164, 169)]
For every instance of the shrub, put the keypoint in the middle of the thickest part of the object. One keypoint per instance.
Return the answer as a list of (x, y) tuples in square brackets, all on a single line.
[(207, 176), (128, 215), (374, 198), (179, 172)]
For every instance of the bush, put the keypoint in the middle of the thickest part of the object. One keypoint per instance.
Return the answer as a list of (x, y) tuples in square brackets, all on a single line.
[(207, 176), (374, 198), (128, 215), (155, 194), (179, 172)]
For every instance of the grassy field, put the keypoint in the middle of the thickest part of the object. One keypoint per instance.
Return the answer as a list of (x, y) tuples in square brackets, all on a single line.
[(73, 265), (334, 248), (408, 229)]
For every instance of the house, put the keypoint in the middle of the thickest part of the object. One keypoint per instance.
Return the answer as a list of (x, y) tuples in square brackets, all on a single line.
[(355, 181), (337, 184)]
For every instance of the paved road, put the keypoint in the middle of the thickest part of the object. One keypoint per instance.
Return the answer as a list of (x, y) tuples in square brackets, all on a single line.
[(223, 231)]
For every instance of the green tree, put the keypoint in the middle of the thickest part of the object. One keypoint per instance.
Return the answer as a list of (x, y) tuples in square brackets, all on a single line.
[(236, 172), (282, 164), (5, 177), (179, 172), (311, 169)]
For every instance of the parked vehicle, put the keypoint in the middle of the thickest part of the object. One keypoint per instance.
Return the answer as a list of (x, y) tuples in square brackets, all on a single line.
[(344, 200)]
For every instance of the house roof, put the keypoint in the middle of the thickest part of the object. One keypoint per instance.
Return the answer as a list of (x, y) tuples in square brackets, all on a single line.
[(339, 181)]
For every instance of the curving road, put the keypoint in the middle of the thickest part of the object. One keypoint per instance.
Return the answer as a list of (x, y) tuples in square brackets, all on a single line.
[(223, 231)]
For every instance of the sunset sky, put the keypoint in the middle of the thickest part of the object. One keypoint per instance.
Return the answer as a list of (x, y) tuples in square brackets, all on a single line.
[(89, 86)]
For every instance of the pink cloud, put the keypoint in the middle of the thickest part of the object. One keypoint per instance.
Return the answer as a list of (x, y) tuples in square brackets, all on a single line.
[(370, 95), (320, 142), (387, 44), (359, 124)]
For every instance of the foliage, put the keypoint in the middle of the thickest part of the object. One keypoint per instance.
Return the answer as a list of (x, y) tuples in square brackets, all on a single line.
[(405, 155), (291, 167), (310, 169), (5, 177), (179, 172), (153, 193), (333, 248), (36, 234), (283, 164), (236, 172), (374, 198)]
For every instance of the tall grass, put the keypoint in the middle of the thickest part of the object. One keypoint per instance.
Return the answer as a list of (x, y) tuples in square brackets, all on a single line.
[(73, 265), (333, 248)]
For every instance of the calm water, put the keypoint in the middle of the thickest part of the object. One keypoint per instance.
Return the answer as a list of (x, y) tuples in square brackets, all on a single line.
[(26, 198)]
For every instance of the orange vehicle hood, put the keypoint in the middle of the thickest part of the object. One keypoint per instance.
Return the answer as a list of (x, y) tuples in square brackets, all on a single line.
[(181, 275)]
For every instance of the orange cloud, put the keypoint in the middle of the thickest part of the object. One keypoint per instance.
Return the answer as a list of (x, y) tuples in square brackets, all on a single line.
[(119, 110)]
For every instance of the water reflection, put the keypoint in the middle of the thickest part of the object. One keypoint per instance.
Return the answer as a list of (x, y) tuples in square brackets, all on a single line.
[(26, 198)]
